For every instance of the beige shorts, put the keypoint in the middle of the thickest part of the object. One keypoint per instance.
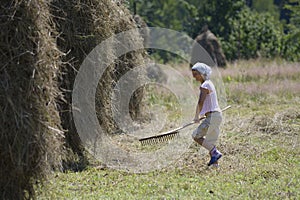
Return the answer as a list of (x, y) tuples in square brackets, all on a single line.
[(209, 129)]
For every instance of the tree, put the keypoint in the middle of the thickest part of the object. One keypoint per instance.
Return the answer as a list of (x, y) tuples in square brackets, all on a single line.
[(262, 6), (188, 15), (291, 49), (253, 34), (246, 28), (217, 15), (173, 14)]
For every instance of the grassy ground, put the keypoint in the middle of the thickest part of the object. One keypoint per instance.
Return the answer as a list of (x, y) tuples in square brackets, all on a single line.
[(260, 145)]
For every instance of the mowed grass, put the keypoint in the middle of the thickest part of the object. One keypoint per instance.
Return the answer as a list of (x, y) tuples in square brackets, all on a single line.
[(259, 141)]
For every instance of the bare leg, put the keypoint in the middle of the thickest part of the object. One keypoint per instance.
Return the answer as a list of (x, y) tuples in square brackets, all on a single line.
[(199, 140)]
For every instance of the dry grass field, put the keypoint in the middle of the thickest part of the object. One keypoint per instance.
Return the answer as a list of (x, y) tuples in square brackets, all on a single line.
[(260, 145)]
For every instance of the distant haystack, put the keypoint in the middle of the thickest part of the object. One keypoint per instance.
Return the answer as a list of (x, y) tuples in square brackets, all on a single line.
[(30, 132), (211, 44)]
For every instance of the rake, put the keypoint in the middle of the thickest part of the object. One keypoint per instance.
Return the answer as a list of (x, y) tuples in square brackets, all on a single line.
[(169, 135)]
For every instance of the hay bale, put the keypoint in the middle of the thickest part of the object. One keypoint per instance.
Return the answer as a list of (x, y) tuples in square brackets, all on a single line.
[(145, 32), (84, 25), (131, 59), (31, 140), (211, 44), (74, 22)]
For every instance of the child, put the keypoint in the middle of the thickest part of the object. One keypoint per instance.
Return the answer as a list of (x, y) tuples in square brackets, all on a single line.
[(208, 131)]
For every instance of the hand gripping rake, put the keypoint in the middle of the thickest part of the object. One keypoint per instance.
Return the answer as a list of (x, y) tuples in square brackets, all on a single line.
[(169, 135)]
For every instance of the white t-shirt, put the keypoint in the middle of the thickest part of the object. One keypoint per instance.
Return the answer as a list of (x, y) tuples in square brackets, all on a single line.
[(211, 100)]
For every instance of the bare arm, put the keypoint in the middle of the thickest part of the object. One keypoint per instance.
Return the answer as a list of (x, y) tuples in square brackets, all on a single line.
[(199, 106)]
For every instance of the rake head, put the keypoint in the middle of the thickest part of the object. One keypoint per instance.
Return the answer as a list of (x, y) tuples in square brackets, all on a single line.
[(164, 137), (159, 138)]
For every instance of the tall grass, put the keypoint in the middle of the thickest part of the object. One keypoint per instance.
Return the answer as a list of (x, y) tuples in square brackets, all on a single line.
[(261, 80)]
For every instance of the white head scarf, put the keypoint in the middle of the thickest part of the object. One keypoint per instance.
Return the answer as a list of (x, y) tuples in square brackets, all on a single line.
[(203, 69)]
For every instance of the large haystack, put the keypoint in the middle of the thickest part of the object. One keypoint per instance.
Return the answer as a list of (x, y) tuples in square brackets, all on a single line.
[(145, 33), (211, 44), (84, 25), (31, 136), (31, 142)]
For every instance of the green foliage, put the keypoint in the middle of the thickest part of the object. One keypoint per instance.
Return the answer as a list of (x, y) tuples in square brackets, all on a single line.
[(178, 15), (244, 32), (262, 6), (291, 49), (188, 16), (217, 15), (253, 34), (173, 14), (295, 9)]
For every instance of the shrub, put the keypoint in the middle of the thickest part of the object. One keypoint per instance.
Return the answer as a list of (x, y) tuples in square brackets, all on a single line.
[(253, 35), (291, 40)]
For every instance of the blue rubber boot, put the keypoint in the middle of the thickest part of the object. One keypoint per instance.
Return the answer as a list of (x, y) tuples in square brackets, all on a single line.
[(215, 156)]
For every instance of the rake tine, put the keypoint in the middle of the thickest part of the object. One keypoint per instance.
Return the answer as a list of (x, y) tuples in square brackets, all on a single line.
[(167, 138), (159, 139)]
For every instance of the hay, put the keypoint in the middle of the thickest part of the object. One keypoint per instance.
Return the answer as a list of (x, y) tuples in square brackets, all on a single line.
[(33, 70), (73, 21), (283, 123), (84, 25), (145, 32), (31, 140), (211, 44)]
